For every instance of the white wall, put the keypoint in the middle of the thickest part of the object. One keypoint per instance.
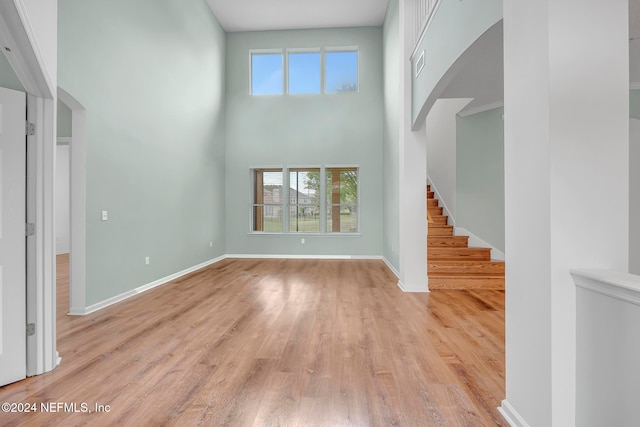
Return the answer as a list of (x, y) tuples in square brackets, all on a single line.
[(634, 196), (62, 199), (566, 169), (608, 344), (42, 17), (441, 150), (412, 230)]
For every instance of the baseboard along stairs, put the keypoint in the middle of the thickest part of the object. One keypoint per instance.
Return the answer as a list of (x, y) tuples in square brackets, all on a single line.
[(452, 264)]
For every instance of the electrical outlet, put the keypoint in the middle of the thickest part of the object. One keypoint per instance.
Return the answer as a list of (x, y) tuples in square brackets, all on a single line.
[(210, 244), (146, 260), (302, 240), (105, 216)]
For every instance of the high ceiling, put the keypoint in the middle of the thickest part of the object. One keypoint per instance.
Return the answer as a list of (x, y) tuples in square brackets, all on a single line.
[(259, 15)]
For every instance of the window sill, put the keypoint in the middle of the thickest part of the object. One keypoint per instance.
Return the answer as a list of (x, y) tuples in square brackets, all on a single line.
[(260, 233)]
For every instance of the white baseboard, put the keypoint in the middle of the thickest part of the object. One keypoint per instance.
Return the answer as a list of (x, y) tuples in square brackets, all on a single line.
[(277, 256), (75, 311), (406, 289), (475, 241), (445, 209), (391, 267), (509, 413), (123, 296)]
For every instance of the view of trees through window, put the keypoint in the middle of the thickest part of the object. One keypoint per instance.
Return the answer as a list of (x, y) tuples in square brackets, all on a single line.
[(304, 201), (340, 192)]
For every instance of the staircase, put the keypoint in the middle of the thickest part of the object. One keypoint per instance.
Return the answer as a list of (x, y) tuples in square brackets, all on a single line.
[(452, 264)]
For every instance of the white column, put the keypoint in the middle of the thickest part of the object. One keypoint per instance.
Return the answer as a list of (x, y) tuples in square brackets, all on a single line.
[(413, 173), (566, 185)]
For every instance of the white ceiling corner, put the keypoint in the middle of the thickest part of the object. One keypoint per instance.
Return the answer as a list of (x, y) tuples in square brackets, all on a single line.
[(262, 15)]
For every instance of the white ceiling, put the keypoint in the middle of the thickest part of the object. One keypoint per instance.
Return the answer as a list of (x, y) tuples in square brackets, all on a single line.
[(259, 15)]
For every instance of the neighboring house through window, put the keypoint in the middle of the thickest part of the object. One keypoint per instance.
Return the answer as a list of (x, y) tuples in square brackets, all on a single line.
[(319, 200)]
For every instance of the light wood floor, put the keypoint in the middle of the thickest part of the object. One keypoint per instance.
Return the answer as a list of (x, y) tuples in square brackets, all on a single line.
[(278, 343)]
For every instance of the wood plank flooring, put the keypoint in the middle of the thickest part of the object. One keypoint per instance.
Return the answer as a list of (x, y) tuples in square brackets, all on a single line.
[(278, 343)]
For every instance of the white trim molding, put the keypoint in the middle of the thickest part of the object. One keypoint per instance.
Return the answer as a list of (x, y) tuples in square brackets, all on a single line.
[(509, 413), (407, 289), (615, 284), (391, 267), (446, 211), (140, 289), (475, 241), (77, 201), (126, 295), (284, 256)]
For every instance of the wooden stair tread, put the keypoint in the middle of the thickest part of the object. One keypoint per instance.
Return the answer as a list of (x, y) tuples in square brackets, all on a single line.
[(437, 253), (440, 230), (447, 267), (451, 263), (435, 210), (447, 241), (439, 219), (480, 283)]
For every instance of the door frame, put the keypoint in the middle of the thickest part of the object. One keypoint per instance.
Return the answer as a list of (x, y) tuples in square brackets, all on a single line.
[(16, 32), (77, 203)]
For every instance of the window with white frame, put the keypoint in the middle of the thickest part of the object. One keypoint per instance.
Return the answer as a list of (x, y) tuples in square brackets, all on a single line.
[(304, 71), (268, 198), (318, 200), (266, 73), (304, 200), (341, 71), (342, 200)]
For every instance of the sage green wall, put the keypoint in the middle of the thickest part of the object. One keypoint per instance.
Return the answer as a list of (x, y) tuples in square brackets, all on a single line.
[(480, 176), (8, 78), (304, 130), (64, 120), (150, 74), (391, 142), (634, 104)]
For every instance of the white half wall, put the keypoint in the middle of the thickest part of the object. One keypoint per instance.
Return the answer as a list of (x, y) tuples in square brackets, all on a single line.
[(62, 197), (634, 196), (441, 150)]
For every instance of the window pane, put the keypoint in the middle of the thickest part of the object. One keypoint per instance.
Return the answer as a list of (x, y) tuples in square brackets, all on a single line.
[(271, 220), (266, 74), (341, 72), (267, 201), (304, 72), (304, 219), (342, 200), (304, 205), (344, 218)]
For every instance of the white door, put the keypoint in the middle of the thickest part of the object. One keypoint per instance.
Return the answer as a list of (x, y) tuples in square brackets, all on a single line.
[(13, 357)]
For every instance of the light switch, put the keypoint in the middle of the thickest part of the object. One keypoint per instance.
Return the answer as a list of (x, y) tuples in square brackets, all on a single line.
[(104, 216)]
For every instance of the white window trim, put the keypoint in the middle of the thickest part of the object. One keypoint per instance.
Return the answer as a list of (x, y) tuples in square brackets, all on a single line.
[(305, 50), (334, 49), (284, 69), (323, 68), (286, 201)]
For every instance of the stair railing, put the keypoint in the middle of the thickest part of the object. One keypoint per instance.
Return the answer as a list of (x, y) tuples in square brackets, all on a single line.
[(423, 12)]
